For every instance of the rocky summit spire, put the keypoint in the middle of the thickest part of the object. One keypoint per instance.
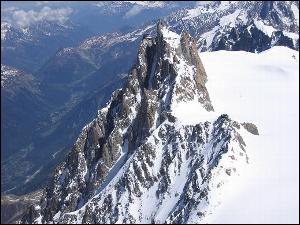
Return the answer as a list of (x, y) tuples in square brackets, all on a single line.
[(176, 57), (127, 162), (159, 26)]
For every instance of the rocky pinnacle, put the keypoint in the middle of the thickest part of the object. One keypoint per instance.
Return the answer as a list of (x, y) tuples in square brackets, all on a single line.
[(131, 135)]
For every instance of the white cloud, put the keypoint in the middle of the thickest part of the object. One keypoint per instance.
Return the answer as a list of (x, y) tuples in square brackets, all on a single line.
[(200, 3), (25, 18), (136, 9), (8, 9), (139, 6), (148, 4), (41, 3)]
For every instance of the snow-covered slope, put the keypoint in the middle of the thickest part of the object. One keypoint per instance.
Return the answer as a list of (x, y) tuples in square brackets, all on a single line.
[(141, 160), (240, 25), (113, 56), (263, 88), (163, 150)]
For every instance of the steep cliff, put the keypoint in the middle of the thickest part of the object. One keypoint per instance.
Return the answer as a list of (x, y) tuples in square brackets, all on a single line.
[(145, 158)]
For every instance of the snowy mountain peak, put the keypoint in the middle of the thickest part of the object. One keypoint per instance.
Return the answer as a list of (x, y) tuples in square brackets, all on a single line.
[(241, 25), (139, 161), (180, 54)]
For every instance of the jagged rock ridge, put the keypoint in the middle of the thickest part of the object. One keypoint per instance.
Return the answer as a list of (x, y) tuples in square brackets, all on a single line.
[(138, 161), (215, 26), (252, 26)]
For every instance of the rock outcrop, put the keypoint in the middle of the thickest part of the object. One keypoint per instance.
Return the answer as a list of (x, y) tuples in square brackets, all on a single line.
[(137, 161)]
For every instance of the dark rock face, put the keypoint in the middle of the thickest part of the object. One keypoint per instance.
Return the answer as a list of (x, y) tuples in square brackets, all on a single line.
[(251, 39), (190, 52), (251, 128), (136, 144), (266, 9)]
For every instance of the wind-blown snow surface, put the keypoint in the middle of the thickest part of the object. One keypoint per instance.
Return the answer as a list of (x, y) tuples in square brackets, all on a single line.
[(264, 89)]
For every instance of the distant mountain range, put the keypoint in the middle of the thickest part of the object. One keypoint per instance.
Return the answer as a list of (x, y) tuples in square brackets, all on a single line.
[(74, 82)]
